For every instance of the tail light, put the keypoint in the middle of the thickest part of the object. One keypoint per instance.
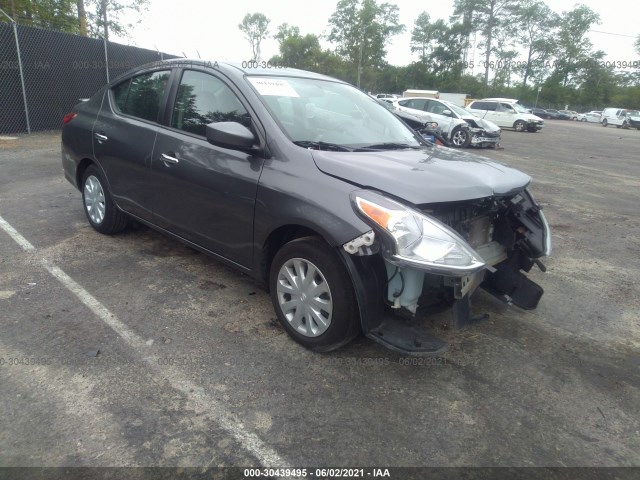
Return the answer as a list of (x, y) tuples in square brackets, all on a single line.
[(68, 117)]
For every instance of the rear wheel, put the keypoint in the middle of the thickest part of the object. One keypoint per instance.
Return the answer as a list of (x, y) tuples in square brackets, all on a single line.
[(519, 126), (102, 213), (460, 138), (313, 296)]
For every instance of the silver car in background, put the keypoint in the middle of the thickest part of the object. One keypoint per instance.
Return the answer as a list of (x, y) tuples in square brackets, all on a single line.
[(460, 127)]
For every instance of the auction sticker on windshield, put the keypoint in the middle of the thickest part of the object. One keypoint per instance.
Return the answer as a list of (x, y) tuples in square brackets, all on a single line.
[(273, 86)]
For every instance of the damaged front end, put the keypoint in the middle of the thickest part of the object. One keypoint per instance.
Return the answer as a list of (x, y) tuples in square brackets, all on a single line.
[(483, 133), (442, 253)]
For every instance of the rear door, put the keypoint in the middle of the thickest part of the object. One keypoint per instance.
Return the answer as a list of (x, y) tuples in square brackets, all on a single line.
[(124, 135), (486, 110), (414, 106), (204, 193)]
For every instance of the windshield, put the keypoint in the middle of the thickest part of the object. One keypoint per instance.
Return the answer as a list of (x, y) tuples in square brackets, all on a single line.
[(460, 111), (633, 113), (310, 110)]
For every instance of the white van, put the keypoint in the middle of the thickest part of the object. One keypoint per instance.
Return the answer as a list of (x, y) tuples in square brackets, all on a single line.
[(620, 117), (506, 112)]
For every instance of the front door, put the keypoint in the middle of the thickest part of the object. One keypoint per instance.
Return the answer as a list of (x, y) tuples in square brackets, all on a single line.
[(204, 193)]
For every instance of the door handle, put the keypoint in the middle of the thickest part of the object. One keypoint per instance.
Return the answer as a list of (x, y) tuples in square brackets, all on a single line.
[(167, 159), (101, 138)]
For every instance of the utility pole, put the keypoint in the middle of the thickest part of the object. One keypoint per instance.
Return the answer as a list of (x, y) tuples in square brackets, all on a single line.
[(103, 7), (360, 63), (536, 105)]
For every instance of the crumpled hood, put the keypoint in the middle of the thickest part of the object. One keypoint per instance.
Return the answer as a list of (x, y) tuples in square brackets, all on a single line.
[(430, 175), (482, 123)]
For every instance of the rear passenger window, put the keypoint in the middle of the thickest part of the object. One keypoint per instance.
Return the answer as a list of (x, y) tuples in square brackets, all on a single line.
[(141, 96), (491, 106), (417, 104), (204, 99)]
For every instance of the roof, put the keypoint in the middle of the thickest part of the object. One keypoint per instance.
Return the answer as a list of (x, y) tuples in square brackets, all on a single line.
[(508, 100)]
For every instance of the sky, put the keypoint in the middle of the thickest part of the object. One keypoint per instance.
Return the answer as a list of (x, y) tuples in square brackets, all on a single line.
[(209, 29)]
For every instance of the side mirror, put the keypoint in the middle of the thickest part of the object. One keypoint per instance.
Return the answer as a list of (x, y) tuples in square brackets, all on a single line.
[(446, 112), (231, 135)]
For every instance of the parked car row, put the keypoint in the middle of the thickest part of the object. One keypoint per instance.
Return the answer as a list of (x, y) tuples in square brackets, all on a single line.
[(553, 114), (594, 116)]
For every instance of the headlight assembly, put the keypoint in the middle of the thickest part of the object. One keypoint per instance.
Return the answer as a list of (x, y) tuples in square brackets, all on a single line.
[(418, 240)]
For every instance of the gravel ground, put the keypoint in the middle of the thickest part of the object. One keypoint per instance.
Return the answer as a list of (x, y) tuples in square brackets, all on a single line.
[(200, 373)]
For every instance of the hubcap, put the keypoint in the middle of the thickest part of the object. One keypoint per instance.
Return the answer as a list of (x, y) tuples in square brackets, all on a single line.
[(304, 297), (459, 138), (94, 199)]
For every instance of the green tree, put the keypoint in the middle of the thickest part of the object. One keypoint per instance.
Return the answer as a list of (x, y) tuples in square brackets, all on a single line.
[(106, 17), (51, 14), (423, 35), (537, 23), (447, 60), (286, 31), (298, 51), (573, 48), (488, 17), (255, 27), (361, 29)]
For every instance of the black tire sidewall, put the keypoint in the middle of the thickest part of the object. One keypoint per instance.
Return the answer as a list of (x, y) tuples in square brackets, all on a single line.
[(345, 321)]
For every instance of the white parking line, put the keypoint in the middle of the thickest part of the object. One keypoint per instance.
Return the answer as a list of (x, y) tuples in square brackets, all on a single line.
[(13, 233), (202, 403)]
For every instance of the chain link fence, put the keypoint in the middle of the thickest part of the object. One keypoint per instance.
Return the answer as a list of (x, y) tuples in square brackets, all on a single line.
[(44, 73)]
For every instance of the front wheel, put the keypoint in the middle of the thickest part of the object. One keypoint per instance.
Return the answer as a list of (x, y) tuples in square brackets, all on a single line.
[(604, 122), (519, 126), (313, 296), (460, 138), (583, 120), (102, 213)]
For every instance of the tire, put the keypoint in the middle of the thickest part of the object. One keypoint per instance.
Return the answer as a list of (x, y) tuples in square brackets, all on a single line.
[(604, 122), (102, 213), (519, 126), (460, 138), (330, 319), (583, 120)]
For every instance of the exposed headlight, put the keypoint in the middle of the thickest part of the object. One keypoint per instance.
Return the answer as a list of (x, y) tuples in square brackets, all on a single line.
[(418, 240)]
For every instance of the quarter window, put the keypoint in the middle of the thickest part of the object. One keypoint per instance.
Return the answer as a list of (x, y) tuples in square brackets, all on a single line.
[(141, 96), (204, 99)]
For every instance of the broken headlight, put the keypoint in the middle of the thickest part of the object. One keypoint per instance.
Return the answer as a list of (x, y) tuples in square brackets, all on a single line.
[(418, 240)]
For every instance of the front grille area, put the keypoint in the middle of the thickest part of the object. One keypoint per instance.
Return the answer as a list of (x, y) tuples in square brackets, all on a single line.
[(472, 220)]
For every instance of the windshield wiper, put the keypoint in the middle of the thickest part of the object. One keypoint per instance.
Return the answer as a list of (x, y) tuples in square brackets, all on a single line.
[(388, 146), (322, 146)]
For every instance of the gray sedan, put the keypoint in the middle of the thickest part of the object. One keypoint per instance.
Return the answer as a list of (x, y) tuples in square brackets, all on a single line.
[(350, 219)]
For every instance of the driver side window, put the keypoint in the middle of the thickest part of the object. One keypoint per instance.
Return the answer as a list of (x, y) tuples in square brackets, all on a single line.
[(505, 107), (204, 99)]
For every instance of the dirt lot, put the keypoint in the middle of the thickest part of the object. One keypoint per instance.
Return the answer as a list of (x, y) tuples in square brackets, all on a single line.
[(193, 369)]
